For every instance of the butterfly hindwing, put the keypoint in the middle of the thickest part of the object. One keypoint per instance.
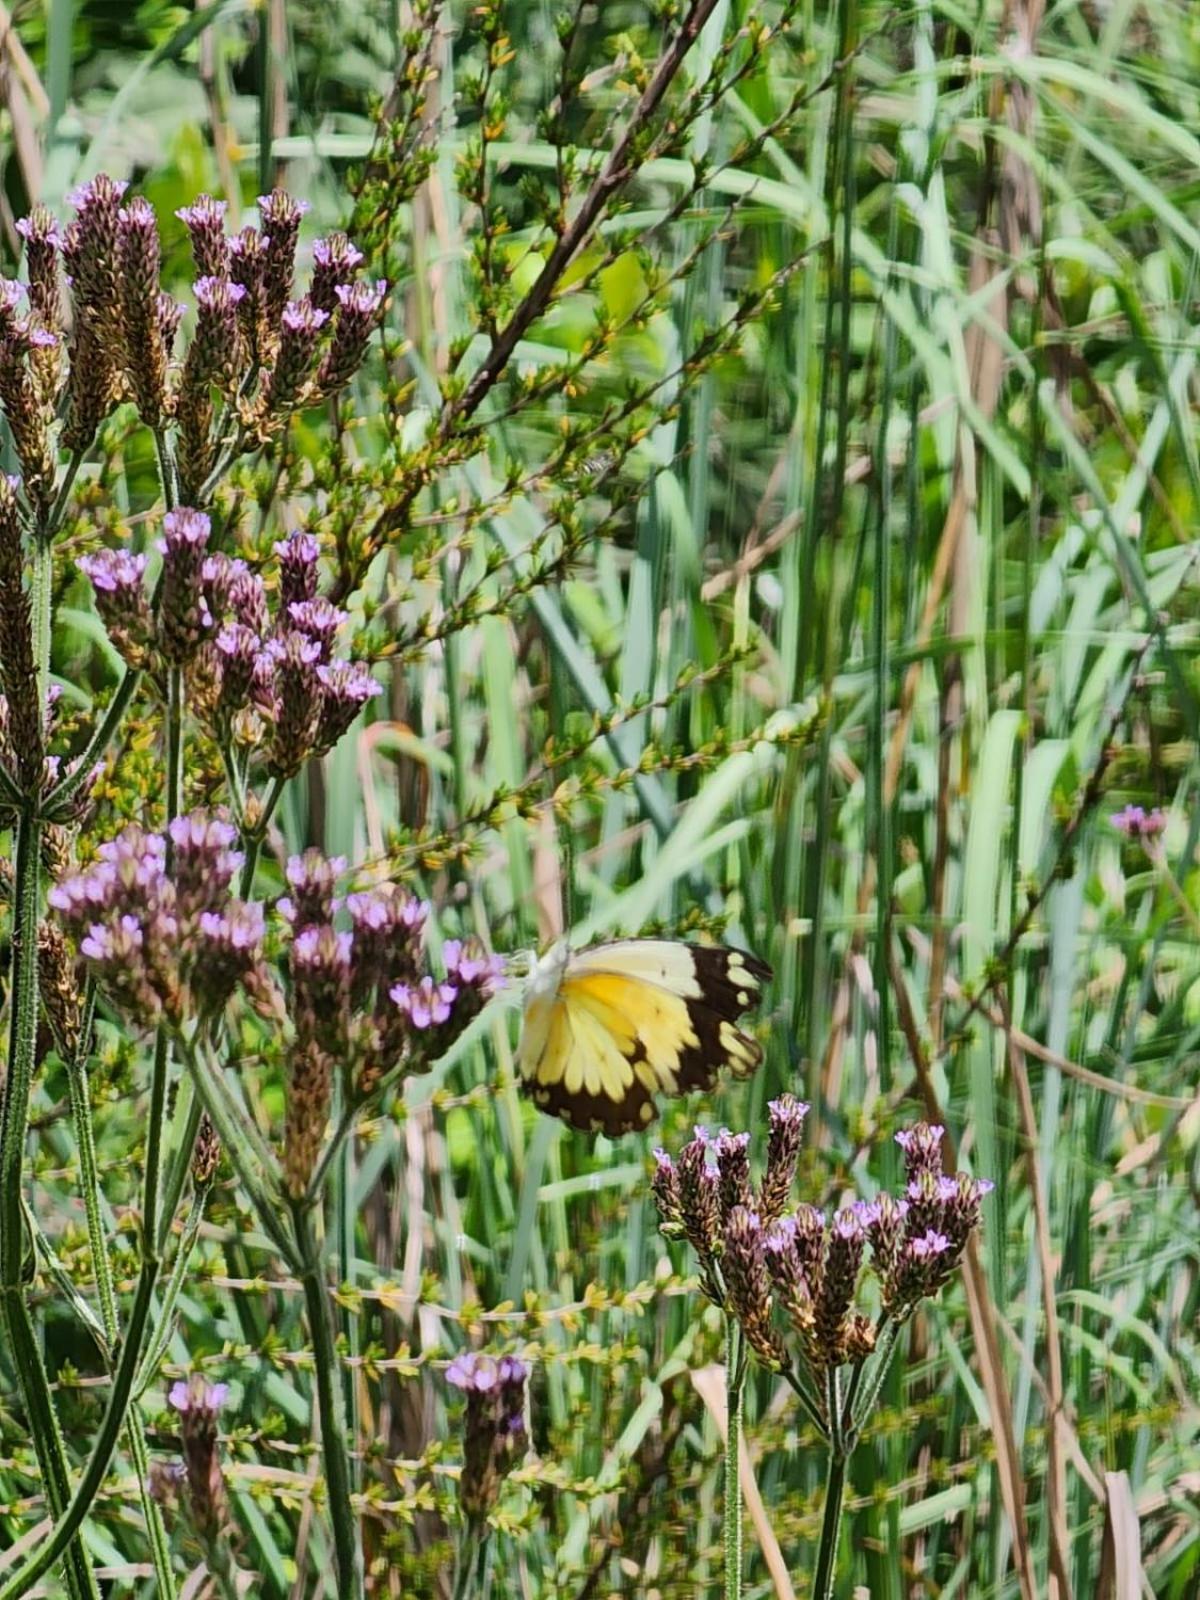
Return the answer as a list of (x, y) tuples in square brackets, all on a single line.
[(609, 1028)]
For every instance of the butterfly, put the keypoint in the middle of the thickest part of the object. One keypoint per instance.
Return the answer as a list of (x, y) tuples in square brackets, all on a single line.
[(607, 1028)]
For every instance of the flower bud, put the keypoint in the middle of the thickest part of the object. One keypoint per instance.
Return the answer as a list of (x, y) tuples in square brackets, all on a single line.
[(183, 618), (279, 216), (335, 261)]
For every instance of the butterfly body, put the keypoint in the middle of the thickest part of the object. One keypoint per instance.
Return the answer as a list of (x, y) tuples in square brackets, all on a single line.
[(608, 1028)]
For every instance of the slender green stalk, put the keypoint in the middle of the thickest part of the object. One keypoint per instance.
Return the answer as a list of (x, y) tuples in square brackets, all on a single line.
[(473, 1563), (161, 1336), (856, 1420), (97, 744), (253, 839), (735, 1384), (329, 1405), (22, 1055), (58, 510), (808, 1399), (831, 1527), (89, 1180), (167, 476), (68, 1522), (188, 1110)]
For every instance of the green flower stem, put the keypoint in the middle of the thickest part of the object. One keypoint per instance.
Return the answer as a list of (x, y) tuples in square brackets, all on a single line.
[(472, 1563), (188, 1110), (808, 1399), (161, 1336), (54, 517), (831, 1527), (857, 1417), (167, 477), (66, 1284), (14, 1117), (97, 744), (329, 1405), (81, 1113), (68, 1523), (253, 838), (218, 1558), (735, 1384), (236, 1134), (9, 792)]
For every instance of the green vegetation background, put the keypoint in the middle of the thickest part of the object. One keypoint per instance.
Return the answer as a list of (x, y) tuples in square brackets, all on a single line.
[(944, 497)]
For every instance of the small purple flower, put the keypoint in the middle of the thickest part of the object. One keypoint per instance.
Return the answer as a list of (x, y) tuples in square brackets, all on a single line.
[(279, 216), (298, 556), (197, 1398), (426, 1004), (335, 261), (299, 330), (922, 1147), (346, 686), (205, 863), (494, 1430), (320, 964), (317, 619), (230, 943), (237, 649), (732, 1151), (473, 1373), (1137, 823), (360, 307), (298, 700), (205, 222), (199, 1404), (311, 877)]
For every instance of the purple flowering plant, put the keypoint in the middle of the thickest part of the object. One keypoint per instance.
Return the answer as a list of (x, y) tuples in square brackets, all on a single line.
[(819, 1298), (190, 468)]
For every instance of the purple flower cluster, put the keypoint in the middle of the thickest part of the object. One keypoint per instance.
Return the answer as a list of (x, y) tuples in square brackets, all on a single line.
[(1135, 822), (362, 996), (799, 1271), (494, 1434), (269, 681), (303, 347), (155, 920)]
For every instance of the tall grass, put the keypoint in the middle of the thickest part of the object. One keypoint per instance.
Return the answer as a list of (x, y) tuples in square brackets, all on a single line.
[(941, 507)]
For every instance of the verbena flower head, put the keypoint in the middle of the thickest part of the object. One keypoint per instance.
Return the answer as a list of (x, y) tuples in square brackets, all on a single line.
[(1135, 822), (494, 1435), (311, 878), (335, 261), (205, 222), (359, 309), (184, 619), (298, 556), (198, 1404), (796, 1276), (159, 945)]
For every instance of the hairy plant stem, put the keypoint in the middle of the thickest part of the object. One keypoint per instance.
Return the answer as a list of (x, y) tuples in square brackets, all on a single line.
[(252, 839), (26, 1352), (329, 1405), (831, 1527), (97, 744), (735, 1385), (89, 1180), (68, 1523), (161, 1335)]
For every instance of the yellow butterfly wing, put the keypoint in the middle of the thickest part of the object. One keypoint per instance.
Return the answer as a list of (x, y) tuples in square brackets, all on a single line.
[(609, 1028)]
